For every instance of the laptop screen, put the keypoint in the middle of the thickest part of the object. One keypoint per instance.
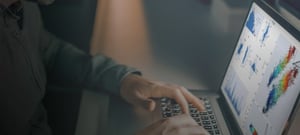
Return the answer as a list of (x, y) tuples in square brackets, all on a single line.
[(262, 82)]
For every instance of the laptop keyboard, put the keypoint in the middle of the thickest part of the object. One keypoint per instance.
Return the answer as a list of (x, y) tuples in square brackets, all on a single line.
[(205, 119)]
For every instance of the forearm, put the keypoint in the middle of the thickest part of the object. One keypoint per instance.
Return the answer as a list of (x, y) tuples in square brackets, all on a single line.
[(67, 65)]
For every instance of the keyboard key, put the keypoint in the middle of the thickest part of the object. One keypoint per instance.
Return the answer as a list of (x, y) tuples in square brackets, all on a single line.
[(212, 117), (206, 102), (173, 102), (167, 109), (203, 113), (210, 132), (217, 132), (197, 120), (215, 126), (176, 106), (163, 99), (195, 115), (206, 122), (176, 111), (204, 118), (167, 115), (207, 127), (194, 111), (214, 121), (209, 112)]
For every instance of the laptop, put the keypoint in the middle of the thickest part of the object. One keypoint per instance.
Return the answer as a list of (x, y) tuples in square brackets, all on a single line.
[(260, 89)]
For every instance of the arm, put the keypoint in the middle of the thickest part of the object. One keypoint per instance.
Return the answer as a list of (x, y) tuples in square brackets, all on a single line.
[(67, 65)]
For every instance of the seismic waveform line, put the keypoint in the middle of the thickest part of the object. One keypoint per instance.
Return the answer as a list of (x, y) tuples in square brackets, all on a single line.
[(253, 67), (266, 33), (245, 55), (282, 64), (278, 90), (240, 48)]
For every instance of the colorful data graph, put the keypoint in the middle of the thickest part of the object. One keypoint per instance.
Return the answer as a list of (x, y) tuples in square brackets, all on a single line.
[(278, 90), (253, 130), (282, 64)]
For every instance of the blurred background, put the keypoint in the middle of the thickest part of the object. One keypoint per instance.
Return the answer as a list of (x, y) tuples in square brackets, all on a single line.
[(187, 42)]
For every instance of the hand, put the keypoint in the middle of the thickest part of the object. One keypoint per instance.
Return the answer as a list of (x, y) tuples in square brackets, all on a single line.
[(177, 125), (139, 91)]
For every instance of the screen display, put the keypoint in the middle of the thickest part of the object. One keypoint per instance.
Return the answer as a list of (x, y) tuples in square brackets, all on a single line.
[(262, 82)]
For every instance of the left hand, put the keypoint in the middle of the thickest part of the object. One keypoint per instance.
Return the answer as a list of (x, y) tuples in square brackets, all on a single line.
[(139, 91), (182, 124)]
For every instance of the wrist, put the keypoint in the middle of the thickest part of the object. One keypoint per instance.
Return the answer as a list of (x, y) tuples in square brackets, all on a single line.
[(132, 83), (128, 83)]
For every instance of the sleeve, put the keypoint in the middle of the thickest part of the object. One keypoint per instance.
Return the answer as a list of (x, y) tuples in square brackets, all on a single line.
[(67, 65)]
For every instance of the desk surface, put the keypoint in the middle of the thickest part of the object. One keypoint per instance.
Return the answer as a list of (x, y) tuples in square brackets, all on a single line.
[(101, 114), (127, 120)]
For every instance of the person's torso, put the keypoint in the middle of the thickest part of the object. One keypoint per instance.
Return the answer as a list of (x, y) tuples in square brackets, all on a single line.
[(22, 73)]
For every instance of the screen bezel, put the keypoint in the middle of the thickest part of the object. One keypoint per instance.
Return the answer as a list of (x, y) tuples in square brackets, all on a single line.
[(285, 25)]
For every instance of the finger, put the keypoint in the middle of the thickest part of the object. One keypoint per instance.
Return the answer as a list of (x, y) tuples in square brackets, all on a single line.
[(190, 130), (180, 99), (145, 102), (182, 120), (202, 129), (178, 121), (167, 126), (193, 100), (155, 128), (164, 90)]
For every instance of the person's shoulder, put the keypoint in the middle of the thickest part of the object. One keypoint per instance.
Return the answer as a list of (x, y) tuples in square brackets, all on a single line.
[(30, 4), (31, 11)]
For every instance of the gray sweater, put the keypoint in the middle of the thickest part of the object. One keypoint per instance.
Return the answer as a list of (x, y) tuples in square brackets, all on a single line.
[(30, 58)]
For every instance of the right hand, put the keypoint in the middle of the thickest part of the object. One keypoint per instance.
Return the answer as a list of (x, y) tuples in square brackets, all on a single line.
[(177, 125), (139, 91)]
